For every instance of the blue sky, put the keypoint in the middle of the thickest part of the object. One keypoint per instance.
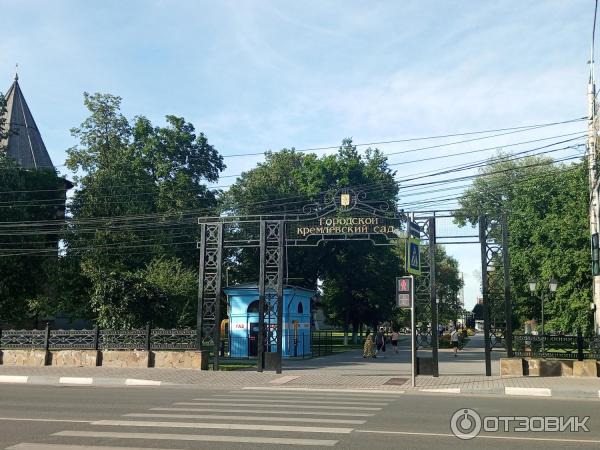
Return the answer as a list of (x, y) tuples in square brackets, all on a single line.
[(259, 75)]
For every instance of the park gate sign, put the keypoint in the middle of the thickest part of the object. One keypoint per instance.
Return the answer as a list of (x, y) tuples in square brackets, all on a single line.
[(343, 215)]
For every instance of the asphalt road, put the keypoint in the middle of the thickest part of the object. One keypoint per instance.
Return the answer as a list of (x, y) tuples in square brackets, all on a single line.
[(88, 418)]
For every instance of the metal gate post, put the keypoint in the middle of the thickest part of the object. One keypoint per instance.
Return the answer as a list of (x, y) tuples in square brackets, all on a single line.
[(270, 285), (261, 300), (433, 294), (484, 293), (507, 300), (280, 262), (208, 314)]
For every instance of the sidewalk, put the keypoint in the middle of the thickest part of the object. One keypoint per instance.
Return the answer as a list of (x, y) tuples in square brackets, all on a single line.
[(343, 371)]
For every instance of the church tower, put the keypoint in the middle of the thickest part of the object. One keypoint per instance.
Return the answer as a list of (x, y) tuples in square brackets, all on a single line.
[(24, 142)]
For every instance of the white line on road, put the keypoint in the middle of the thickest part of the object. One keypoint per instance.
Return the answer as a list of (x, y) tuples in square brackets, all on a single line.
[(484, 436), (31, 419), (297, 396), (75, 380), (199, 437), (256, 400), (442, 390), (220, 426), (301, 389), (290, 406), (266, 411), (537, 392), (136, 382), (249, 418), (13, 379), (30, 446)]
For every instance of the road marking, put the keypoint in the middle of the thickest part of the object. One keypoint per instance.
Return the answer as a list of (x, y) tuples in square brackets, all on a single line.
[(250, 418), (283, 380), (221, 426), (299, 389), (75, 380), (199, 437), (537, 392), (29, 446), (296, 396), (289, 405), (260, 400), (136, 382), (481, 436), (27, 419), (265, 411), (13, 379), (442, 390)]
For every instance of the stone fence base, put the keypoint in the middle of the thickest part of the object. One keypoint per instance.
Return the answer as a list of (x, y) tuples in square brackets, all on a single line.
[(185, 359), (535, 367)]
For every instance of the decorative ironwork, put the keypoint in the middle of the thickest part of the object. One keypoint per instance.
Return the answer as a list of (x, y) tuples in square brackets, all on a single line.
[(34, 339), (138, 339), (209, 287), (556, 346), (425, 292), (174, 339), (72, 339), (270, 289), (497, 310), (122, 340)]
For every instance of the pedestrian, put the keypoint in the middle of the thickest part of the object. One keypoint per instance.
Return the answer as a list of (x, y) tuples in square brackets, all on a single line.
[(454, 340), (380, 341), (369, 348), (395, 337)]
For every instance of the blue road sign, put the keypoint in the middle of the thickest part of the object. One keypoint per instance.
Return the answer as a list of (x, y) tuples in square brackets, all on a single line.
[(413, 260)]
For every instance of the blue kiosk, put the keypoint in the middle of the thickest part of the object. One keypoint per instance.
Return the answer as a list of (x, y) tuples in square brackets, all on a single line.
[(242, 307)]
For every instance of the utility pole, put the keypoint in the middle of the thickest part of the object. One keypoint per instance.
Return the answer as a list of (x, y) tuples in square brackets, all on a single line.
[(594, 201)]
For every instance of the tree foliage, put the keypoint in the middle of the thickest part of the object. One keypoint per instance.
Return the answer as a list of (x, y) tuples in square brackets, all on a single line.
[(547, 206), (134, 215)]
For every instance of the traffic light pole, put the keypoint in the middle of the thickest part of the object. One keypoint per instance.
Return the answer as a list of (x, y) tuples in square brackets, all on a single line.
[(413, 332)]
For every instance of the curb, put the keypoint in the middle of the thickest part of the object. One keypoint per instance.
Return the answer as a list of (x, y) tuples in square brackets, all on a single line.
[(509, 391), (78, 381)]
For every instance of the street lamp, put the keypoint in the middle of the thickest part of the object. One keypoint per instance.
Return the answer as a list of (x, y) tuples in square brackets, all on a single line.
[(552, 285)]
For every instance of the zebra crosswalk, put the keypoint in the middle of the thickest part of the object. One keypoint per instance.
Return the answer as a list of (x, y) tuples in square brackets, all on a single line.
[(270, 417)]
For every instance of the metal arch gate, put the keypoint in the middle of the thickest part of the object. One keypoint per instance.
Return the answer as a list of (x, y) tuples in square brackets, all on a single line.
[(271, 235)]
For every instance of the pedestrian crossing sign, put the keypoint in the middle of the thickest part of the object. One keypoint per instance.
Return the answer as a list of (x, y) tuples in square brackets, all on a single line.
[(413, 256)]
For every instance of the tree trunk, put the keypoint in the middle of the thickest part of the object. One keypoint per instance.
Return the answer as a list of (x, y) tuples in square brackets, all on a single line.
[(355, 332)]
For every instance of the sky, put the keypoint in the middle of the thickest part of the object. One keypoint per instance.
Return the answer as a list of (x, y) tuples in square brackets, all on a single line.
[(264, 75)]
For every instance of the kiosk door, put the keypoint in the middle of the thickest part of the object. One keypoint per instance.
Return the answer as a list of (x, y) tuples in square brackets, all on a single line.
[(253, 340)]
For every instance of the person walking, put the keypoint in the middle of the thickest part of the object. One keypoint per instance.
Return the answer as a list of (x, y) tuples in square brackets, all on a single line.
[(395, 337), (380, 341), (454, 341), (369, 347)]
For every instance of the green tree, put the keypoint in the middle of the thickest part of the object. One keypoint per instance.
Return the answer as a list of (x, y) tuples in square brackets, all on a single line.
[(358, 278), (134, 216), (547, 206)]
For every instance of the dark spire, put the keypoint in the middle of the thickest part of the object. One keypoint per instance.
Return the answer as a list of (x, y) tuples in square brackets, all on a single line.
[(24, 143)]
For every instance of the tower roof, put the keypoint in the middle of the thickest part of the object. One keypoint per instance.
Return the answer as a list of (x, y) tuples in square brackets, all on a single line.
[(24, 142)]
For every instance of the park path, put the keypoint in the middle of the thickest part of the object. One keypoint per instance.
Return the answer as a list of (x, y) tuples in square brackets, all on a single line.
[(470, 361)]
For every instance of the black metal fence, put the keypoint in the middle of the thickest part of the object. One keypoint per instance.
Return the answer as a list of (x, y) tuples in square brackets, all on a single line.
[(99, 339), (556, 346), (303, 345)]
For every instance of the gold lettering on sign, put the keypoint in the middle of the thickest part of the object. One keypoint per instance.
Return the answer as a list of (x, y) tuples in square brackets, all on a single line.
[(345, 199), (344, 225)]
